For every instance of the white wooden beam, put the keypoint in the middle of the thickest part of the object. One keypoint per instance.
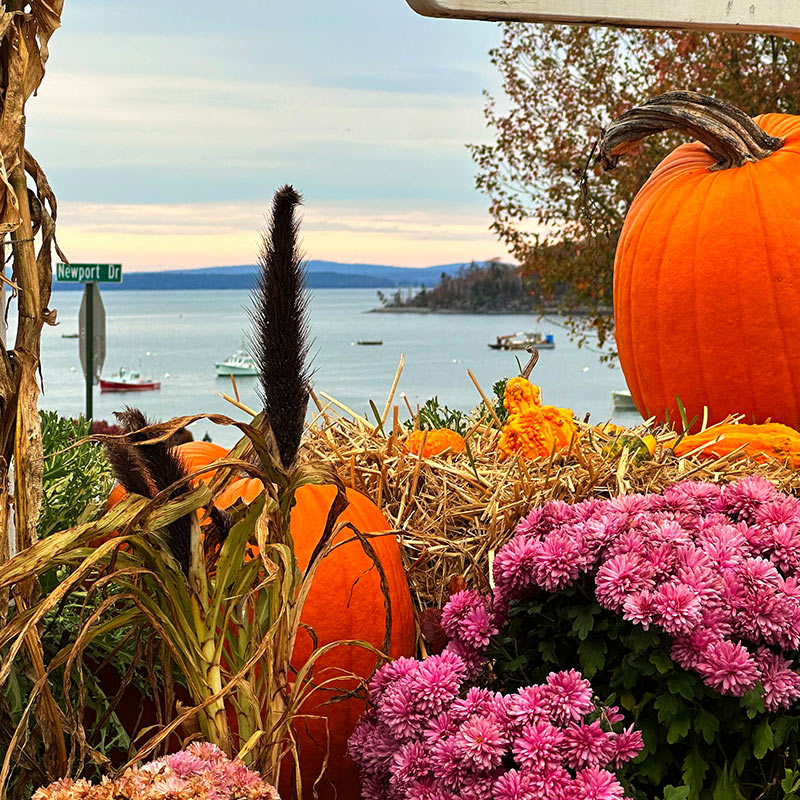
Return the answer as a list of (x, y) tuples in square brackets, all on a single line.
[(781, 17)]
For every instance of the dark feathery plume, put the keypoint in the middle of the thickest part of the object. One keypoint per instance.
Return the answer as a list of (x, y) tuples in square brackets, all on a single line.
[(164, 468), (128, 468), (280, 330), (221, 522)]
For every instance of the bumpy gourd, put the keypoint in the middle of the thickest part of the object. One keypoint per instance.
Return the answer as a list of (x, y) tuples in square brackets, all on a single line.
[(533, 430)]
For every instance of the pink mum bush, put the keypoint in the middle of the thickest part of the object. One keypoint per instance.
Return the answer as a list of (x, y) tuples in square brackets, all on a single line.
[(429, 735), (200, 772), (716, 568)]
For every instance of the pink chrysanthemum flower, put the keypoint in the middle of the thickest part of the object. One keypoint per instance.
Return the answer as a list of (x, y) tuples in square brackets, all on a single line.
[(783, 510), (597, 784), (785, 549), (457, 608), (399, 712), (627, 745), (440, 727), (514, 566), (514, 785), (742, 499), (729, 668), (449, 767), (619, 578), (389, 673), (410, 763), (528, 705), (587, 745), (557, 561), (481, 742), (476, 701), (688, 651), (678, 607), (704, 496), (531, 524), (427, 789), (569, 696), (472, 658), (437, 682), (781, 684), (477, 627), (538, 747)]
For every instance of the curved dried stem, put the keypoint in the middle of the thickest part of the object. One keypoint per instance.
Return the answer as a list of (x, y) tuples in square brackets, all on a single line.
[(729, 134)]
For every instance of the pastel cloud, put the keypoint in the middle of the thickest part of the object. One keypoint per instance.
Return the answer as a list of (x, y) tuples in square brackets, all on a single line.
[(207, 234), (164, 132)]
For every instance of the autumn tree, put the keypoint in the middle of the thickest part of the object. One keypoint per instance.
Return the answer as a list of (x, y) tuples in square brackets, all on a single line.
[(558, 214)]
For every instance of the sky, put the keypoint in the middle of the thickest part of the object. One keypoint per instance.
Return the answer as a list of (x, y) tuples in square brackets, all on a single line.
[(164, 129)]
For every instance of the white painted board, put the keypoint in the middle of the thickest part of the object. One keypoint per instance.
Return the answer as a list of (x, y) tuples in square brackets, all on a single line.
[(757, 16)]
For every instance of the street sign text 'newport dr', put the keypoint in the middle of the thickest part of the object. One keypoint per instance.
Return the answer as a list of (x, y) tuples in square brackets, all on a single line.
[(89, 273)]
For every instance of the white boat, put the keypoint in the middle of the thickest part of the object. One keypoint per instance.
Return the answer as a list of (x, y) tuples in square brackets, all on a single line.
[(524, 340), (239, 363), (623, 401)]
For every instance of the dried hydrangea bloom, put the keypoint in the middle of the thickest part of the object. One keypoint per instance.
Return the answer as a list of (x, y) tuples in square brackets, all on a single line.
[(200, 772)]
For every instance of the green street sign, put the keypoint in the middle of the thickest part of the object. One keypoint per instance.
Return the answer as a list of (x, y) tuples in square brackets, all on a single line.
[(89, 273)]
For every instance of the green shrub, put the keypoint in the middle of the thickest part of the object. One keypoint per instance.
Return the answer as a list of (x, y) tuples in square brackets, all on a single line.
[(699, 744), (76, 480)]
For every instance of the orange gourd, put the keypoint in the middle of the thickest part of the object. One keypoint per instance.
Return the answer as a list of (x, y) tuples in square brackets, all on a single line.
[(533, 430), (437, 441), (760, 442), (707, 269), (345, 602)]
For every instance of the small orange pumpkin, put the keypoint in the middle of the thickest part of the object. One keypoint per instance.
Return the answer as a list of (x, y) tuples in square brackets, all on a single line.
[(437, 441), (760, 442)]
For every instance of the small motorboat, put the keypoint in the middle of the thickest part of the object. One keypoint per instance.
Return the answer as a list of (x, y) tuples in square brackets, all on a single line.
[(239, 363), (523, 340), (370, 341), (623, 401), (70, 335), (128, 381)]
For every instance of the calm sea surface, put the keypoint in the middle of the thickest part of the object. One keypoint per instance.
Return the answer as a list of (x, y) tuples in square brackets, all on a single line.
[(178, 336)]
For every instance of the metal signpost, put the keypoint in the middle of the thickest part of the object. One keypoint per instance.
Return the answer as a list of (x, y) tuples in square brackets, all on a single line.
[(781, 17), (92, 317)]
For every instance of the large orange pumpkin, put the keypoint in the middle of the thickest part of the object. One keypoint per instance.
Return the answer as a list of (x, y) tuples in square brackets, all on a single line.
[(193, 455), (707, 270), (345, 602)]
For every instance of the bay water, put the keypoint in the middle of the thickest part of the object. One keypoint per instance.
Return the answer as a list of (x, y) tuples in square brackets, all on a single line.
[(177, 336)]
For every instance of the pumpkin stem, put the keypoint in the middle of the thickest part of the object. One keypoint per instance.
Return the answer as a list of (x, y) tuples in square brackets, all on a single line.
[(730, 136)]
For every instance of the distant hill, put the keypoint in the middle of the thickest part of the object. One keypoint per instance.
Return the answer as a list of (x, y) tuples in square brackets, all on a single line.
[(321, 275)]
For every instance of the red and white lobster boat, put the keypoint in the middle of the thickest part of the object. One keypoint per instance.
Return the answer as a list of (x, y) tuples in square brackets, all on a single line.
[(127, 381)]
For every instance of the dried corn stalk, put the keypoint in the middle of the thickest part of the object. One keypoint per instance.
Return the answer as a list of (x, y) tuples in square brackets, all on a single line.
[(28, 216)]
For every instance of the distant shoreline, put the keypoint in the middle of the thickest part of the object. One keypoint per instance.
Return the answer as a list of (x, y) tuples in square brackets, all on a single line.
[(535, 312)]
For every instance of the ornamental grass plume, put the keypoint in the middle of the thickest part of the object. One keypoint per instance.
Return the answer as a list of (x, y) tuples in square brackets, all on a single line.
[(200, 772), (429, 735), (716, 568)]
